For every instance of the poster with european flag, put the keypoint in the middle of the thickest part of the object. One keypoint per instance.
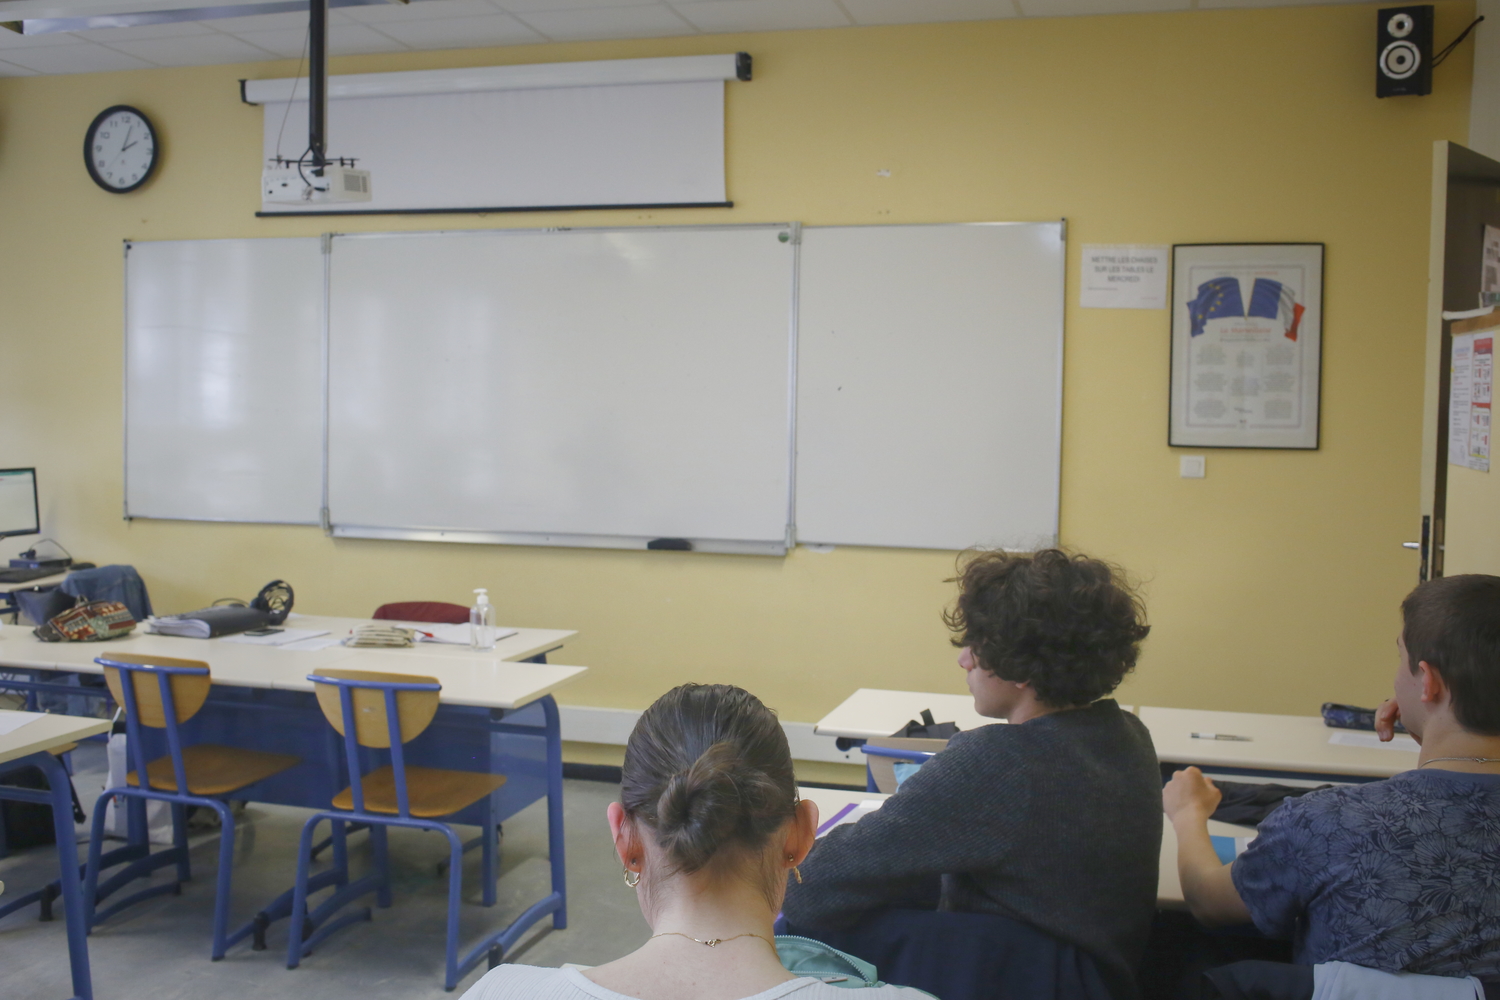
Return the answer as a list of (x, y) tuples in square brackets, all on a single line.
[(1247, 339)]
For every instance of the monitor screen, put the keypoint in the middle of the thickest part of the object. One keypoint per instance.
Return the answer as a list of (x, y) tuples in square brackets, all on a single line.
[(18, 507)]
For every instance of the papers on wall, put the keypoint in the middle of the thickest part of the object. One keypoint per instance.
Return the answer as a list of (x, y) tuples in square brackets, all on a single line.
[(11, 721), (283, 637), (1489, 275), (1400, 741), (1470, 397), (1124, 276), (852, 813)]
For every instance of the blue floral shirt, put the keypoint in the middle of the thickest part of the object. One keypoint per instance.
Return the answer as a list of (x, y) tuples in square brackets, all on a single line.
[(1400, 875)]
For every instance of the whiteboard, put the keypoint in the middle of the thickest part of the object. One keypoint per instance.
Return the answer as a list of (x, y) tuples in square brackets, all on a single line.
[(591, 387), (929, 393), (224, 380)]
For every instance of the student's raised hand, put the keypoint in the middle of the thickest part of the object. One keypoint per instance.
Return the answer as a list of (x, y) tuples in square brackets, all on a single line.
[(1189, 794), (1386, 717)]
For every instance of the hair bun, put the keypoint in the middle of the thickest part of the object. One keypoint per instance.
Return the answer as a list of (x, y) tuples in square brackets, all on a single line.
[(701, 808)]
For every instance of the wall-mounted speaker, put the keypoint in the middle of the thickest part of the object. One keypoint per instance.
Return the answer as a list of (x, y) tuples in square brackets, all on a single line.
[(1403, 51)]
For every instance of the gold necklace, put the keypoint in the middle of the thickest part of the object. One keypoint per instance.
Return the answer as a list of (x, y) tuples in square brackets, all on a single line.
[(1474, 760), (712, 942)]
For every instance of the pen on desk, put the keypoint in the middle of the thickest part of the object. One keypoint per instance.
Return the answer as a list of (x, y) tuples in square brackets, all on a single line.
[(1220, 736)]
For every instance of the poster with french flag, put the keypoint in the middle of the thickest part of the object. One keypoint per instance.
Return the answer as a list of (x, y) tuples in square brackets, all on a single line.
[(1246, 345)]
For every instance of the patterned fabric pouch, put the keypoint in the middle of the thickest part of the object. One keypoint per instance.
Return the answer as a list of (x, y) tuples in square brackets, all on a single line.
[(93, 621)]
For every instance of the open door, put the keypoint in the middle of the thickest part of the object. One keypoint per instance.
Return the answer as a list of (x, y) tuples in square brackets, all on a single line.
[(1460, 496)]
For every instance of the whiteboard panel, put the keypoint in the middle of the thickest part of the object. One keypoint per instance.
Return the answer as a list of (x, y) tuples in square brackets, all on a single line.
[(224, 380), (565, 384), (646, 144), (929, 393)]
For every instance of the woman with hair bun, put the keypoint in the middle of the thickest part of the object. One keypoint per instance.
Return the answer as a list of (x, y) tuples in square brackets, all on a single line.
[(708, 828)]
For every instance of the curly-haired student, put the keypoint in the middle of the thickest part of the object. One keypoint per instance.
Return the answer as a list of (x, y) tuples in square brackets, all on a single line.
[(1053, 821)]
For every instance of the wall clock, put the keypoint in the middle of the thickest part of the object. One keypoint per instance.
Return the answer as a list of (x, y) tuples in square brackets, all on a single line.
[(120, 149)]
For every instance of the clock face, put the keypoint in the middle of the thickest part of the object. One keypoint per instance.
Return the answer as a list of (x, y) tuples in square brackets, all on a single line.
[(120, 149)]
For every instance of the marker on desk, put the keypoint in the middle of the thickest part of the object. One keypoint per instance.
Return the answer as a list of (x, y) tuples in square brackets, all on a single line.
[(1220, 736)]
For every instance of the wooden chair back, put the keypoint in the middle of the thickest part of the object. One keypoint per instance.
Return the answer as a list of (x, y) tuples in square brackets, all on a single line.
[(188, 690), (372, 728)]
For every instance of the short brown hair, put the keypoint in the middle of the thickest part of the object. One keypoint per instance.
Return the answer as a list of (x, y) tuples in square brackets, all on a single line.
[(1066, 624), (1453, 623), (708, 769)]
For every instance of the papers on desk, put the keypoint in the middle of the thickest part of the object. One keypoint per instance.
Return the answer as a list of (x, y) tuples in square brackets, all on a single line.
[(11, 721), (1345, 738), (454, 635), (283, 637), (320, 641), (852, 813)]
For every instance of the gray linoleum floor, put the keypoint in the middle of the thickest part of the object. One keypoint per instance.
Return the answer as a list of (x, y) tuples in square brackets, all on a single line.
[(159, 949)]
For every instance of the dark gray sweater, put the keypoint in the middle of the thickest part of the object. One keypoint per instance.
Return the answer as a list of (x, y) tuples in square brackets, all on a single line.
[(1055, 822)]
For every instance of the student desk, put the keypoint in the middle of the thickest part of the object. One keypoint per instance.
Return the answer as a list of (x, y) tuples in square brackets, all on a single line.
[(871, 713), (29, 746), (495, 714), (1168, 887), (1279, 746)]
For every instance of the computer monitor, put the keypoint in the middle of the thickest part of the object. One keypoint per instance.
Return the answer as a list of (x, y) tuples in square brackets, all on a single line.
[(19, 513)]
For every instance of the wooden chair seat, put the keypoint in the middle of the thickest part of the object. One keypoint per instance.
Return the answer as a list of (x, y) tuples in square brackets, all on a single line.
[(431, 791), (214, 770)]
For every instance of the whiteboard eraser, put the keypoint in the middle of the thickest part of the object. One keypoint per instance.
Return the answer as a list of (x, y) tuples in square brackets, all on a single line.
[(1192, 466)]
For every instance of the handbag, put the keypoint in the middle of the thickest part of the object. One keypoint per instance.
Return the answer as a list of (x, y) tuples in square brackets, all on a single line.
[(92, 621)]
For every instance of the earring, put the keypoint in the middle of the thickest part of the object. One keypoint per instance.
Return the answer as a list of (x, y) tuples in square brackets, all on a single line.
[(632, 879), (795, 870)]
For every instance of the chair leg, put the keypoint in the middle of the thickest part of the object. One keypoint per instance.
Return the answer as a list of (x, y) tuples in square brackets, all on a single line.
[(455, 892), (295, 930), (491, 852), (226, 874), (180, 842), (382, 865), (96, 849)]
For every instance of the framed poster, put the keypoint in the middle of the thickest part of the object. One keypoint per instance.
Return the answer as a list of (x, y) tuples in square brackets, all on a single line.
[(1247, 344)]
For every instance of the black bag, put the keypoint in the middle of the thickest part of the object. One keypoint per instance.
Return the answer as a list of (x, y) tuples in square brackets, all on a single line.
[(29, 824), (927, 729)]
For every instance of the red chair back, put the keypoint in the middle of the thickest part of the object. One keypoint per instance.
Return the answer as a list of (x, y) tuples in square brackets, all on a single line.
[(423, 611)]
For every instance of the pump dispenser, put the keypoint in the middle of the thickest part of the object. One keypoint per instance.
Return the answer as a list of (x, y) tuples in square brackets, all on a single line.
[(481, 622)]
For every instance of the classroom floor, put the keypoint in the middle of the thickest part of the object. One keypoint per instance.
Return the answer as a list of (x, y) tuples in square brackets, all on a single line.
[(158, 950)]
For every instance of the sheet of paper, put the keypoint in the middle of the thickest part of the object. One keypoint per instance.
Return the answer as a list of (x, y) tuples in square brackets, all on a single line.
[(1348, 738), (1124, 276), (852, 813), (1470, 399), (11, 721), (316, 642), (285, 637), (454, 635), (1489, 274)]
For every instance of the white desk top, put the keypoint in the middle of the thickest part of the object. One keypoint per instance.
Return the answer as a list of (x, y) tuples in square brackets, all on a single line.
[(870, 713), (1277, 743), (1168, 886), (41, 581), (487, 680), (45, 732)]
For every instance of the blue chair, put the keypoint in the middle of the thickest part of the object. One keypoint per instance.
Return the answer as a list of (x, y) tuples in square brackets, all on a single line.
[(886, 781), (163, 693), (386, 711)]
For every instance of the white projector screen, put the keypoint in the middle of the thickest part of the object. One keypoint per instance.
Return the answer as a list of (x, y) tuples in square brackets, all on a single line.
[(929, 387), (584, 387), (224, 380), (638, 144)]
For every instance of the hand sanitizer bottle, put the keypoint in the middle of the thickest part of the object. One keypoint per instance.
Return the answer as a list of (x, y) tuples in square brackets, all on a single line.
[(481, 622)]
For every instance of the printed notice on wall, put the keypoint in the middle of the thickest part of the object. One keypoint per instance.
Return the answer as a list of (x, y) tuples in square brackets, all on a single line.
[(1124, 277), (1489, 275), (1471, 393)]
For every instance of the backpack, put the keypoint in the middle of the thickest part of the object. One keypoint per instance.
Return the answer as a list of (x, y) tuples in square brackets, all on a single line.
[(806, 957)]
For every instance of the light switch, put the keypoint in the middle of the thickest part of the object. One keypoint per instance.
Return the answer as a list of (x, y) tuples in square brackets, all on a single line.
[(1192, 466)]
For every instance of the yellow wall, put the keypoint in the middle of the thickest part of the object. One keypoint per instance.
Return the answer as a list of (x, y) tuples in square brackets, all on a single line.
[(1272, 583)]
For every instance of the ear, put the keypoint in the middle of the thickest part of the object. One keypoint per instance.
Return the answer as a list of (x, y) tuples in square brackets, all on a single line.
[(622, 830), (801, 834), (1434, 688)]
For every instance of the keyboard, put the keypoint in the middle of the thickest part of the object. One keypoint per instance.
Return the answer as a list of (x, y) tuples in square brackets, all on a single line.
[(26, 575)]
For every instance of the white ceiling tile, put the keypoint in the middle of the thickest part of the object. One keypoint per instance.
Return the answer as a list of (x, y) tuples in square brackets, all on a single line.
[(80, 57), (461, 32), (915, 11), (646, 21), (171, 29), (11, 40), (10, 69), (1063, 8), (267, 22), (199, 50), (762, 15), (343, 40), (420, 10)]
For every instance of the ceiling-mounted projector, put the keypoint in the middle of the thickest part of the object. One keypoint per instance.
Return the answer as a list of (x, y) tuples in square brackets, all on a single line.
[(286, 183)]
